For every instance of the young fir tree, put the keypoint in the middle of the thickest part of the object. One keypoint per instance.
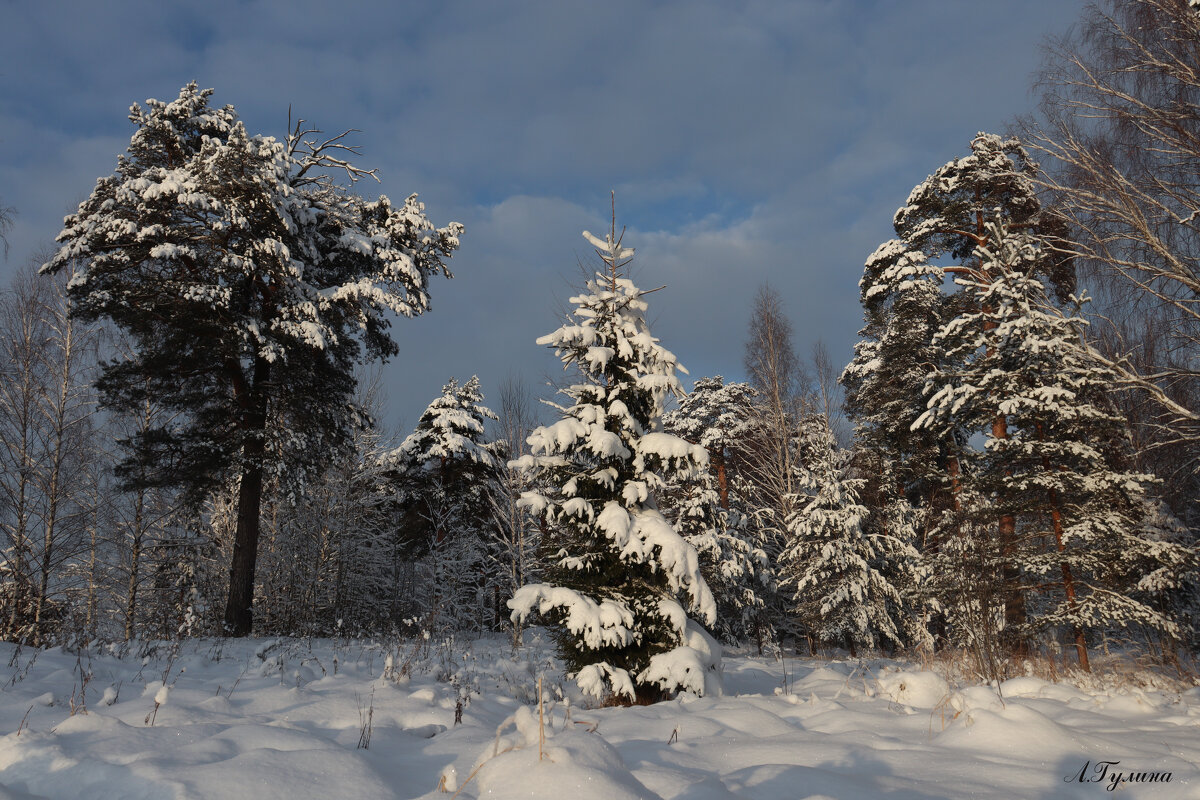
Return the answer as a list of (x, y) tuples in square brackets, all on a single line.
[(831, 565), (1058, 470), (250, 283), (447, 475), (712, 515), (449, 444), (622, 580), (1166, 574)]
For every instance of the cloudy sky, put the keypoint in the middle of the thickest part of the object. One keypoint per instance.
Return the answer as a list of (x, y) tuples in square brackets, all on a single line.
[(747, 142)]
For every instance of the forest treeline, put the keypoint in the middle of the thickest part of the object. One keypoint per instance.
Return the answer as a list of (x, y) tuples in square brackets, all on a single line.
[(1008, 467)]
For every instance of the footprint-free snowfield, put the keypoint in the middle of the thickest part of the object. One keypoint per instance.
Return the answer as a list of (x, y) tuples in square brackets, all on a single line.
[(327, 719)]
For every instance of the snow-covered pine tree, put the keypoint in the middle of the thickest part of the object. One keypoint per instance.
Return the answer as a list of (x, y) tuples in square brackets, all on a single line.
[(946, 215), (830, 565), (251, 283), (938, 232), (1058, 469), (711, 513), (446, 474), (621, 574)]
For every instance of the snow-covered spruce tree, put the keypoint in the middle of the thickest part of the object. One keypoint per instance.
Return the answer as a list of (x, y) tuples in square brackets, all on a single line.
[(904, 308), (715, 415), (620, 572), (711, 513), (1058, 469), (250, 283), (831, 565), (1167, 575), (447, 476)]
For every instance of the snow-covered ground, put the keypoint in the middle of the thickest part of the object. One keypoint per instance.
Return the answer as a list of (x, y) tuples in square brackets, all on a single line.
[(285, 718)]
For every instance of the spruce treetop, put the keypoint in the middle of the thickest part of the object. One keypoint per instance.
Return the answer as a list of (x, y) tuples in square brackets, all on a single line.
[(450, 429)]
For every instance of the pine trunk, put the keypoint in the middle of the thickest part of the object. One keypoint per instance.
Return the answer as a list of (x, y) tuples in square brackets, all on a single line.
[(239, 612), (718, 459), (1014, 600), (1069, 587)]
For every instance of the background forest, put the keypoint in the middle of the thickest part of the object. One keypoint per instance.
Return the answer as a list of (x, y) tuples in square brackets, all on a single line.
[(191, 439)]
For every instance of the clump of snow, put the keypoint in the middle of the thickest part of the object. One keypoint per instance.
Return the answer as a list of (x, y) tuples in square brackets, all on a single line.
[(694, 666), (599, 624), (596, 680), (917, 689)]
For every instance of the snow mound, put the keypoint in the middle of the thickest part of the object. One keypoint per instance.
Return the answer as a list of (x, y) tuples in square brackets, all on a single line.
[(574, 764), (1020, 734), (1024, 687), (976, 698), (917, 689), (551, 758)]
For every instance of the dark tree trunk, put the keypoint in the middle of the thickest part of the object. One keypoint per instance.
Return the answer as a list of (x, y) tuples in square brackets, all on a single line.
[(239, 614), (722, 481), (239, 611)]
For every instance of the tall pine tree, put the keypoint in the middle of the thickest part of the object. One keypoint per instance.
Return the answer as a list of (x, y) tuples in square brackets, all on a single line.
[(1059, 470), (251, 283), (939, 231)]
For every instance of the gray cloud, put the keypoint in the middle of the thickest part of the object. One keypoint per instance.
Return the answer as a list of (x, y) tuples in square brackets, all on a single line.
[(747, 141)]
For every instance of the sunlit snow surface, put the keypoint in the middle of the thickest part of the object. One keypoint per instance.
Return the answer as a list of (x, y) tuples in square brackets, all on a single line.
[(270, 718)]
